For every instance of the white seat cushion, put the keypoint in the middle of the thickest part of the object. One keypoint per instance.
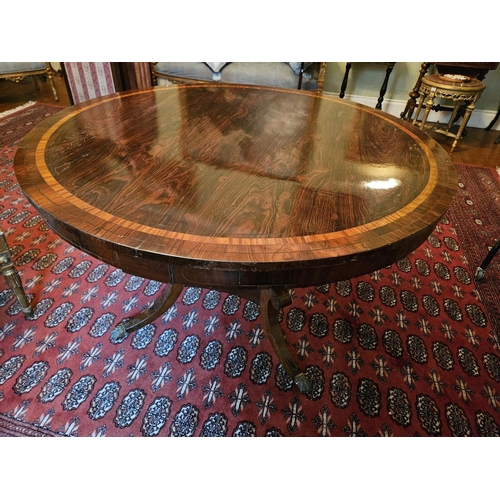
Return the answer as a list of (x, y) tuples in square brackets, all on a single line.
[(20, 67)]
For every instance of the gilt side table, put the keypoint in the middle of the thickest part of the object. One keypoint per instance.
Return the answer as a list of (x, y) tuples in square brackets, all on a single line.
[(461, 89)]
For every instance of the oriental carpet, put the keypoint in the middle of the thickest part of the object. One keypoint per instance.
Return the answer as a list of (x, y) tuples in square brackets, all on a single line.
[(409, 350)]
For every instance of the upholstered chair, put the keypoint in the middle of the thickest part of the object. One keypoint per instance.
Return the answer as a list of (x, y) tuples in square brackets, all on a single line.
[(308, 76), (16, 71)]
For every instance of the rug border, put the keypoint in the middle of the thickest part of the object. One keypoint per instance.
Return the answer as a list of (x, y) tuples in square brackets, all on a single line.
[(19, 108), (482, 286), (12, 427)]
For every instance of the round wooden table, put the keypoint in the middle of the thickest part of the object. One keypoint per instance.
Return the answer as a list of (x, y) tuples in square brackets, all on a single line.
[(243, 189)]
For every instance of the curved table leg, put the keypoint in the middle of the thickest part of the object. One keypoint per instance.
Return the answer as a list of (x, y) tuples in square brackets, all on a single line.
[(270, 304), (271, 301), (468, 110), (162, 304)]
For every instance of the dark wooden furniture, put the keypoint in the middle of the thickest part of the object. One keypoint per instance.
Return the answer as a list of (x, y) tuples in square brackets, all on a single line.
[(492, 123), (242, 189), (481, 270), (476, 70), (383, 88)]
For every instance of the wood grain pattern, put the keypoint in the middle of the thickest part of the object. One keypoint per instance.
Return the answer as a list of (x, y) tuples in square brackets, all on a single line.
[(236, 186)]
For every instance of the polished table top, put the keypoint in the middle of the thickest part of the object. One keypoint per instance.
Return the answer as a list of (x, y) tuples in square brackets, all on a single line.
[(234, 186)]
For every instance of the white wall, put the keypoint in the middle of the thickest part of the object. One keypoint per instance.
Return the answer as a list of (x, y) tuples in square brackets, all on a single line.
[(365, 80)]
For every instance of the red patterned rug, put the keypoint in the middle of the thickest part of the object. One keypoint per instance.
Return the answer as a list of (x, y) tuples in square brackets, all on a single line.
[(410, 350), (476, 216)]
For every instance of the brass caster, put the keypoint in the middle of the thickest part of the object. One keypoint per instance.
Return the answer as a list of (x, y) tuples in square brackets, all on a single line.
[(479, 274), (27, 311), (303, 384), (119, 332)]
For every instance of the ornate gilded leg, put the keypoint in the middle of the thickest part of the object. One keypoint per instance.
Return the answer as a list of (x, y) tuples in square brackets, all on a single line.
[(270, 304), (53, 87), (465, 119), (453, 115), (428, 107), (50, 76), (12, 276), (159, 306), (417, 113)]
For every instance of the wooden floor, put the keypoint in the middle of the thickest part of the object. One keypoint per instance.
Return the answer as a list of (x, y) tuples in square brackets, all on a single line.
[(476, 148), (14, 94)]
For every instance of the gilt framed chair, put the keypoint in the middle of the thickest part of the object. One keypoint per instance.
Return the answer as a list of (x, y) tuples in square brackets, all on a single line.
[(17, 71), (11, 275)]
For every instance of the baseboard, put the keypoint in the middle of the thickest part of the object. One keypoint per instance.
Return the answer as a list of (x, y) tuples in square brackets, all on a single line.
[(480, 118)]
